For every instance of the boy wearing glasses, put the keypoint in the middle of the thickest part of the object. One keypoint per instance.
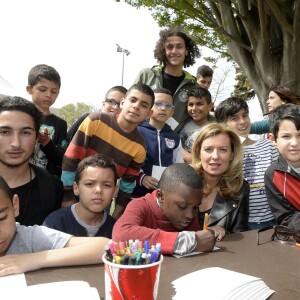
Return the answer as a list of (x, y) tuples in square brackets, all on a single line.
[(111, 104), (198, 107), (282, 178), (163, 144)]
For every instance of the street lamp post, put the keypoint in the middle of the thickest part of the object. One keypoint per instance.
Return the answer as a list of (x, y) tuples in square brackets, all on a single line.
[(124, 51)]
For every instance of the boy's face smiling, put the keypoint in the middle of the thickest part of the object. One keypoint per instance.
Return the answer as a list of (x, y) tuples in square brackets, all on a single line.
[(44, 93), (198, 109), (240, 123), (135, 108), (95, 188), (8, 212), (180, 207), (288, 143), (176, 51)]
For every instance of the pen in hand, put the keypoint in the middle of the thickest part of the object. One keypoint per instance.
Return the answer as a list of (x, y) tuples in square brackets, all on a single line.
[(206, 220)]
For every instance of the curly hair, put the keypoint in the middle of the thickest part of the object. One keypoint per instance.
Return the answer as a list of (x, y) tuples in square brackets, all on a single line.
[(232, 180), (191, 46)]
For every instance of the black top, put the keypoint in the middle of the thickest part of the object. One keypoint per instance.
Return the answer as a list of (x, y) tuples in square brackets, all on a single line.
[(171, 82)]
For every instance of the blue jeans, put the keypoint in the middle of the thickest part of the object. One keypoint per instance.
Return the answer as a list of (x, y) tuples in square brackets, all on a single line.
[(254, 225)]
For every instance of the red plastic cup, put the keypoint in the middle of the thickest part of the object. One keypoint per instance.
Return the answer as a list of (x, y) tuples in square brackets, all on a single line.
[(138, 282)]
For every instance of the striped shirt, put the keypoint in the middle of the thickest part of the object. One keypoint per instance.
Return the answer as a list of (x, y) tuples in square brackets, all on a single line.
[(257, 158), (100, 133)]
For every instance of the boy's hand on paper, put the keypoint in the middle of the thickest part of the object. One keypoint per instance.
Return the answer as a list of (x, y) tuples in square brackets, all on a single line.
[(150, 182), (18, 263), (219, 232), (205, 240)]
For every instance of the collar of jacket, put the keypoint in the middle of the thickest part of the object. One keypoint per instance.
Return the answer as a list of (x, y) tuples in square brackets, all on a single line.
[(283, 166), (221, 208), (158, 70)]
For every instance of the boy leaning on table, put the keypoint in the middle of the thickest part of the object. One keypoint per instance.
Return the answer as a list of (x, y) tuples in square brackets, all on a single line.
[(30, 248), (168, 215), (282, 178)]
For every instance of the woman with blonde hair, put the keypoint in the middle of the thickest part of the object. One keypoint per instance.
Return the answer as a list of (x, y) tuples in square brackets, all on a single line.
[(217, 155)]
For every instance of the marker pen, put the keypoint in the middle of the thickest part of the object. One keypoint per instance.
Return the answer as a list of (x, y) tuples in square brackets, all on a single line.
[(146, 247), (108, 256)]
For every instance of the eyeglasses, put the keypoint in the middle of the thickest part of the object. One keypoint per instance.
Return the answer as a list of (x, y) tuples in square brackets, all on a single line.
[(112, 102), (166, 105), (281, 233)]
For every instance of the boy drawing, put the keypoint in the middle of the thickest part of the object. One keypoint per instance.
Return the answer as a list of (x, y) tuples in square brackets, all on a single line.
[(116, 137), (282, 178), (43, 86), (95, 185), (168, 215), (198, 107), (163, 144), (30, 248), (258, 156)]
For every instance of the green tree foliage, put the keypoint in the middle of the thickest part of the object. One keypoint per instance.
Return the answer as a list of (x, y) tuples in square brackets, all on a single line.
[(242, 88), (72, 112), (261, 36)]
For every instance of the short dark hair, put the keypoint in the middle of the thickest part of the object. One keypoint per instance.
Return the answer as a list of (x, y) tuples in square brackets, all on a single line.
[(205, 71), (5, 188), (163, 91), (10, 103), (143, 88), (290, 112), (117, 88), (160, 52), (229, 108), (43, 71), (96, 161), (200, 92), (178, 173)]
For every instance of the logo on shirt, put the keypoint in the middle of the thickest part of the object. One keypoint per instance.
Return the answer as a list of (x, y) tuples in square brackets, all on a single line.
[(170, 143), (183, 96)]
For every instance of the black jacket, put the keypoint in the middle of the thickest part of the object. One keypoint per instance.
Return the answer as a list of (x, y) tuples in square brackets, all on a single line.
[(231, 214)]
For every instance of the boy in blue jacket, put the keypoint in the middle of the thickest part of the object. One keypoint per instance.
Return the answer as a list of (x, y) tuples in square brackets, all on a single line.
[(163, 144)]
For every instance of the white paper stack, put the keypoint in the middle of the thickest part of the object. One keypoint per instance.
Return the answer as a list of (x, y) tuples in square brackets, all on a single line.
[(14, 286), (218, 283)]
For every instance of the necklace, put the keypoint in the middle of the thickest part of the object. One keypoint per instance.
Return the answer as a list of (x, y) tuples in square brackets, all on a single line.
[(28, 195)]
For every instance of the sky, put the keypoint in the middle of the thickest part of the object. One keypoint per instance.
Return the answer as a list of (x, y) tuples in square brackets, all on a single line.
[(78, 38)]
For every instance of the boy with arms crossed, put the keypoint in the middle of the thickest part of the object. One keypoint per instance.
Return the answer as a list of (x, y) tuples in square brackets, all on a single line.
[(115, 137)]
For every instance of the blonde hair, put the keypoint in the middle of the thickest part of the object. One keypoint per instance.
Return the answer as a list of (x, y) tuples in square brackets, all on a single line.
[(232, 180)]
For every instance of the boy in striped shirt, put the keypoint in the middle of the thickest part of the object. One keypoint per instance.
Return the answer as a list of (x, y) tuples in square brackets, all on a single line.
[(116, 137), (258, 156)]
